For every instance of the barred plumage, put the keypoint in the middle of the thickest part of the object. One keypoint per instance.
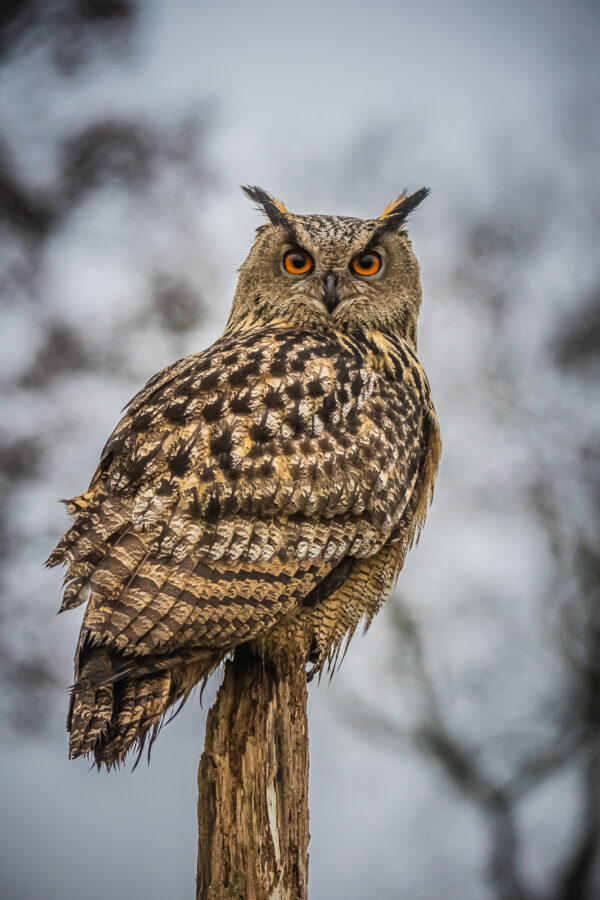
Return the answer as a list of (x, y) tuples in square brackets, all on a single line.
[(274, 481)]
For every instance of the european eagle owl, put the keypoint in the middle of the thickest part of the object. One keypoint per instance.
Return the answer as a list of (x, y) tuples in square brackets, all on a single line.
[(273, 481)]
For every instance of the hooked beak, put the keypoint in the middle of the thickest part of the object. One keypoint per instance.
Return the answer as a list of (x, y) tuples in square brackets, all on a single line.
[(330, 297)]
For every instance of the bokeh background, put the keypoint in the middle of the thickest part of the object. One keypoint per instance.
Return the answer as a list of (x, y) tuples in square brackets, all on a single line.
[(456, 753)]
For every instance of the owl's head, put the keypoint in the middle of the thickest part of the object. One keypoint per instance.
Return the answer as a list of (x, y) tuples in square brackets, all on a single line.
[(321, 272)]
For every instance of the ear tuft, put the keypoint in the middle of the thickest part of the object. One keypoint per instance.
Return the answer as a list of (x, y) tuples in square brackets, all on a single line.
[(396, 213), (274, 209)]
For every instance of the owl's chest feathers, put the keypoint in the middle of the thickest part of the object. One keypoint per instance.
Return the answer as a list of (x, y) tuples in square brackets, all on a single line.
[(277, 423)]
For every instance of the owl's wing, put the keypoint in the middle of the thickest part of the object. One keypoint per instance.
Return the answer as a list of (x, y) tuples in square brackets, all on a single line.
[(237, 481)]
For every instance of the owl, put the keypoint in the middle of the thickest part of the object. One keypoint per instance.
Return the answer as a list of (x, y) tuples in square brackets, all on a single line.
[(268, 486)]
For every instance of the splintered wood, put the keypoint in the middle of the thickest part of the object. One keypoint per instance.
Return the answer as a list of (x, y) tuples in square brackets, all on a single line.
[(253, 781)]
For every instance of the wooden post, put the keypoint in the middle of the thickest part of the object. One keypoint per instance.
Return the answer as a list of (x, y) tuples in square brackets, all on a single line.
[(253, 780)]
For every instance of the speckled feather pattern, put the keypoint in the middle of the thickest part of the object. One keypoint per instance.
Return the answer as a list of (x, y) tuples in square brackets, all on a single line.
[(272, 482)]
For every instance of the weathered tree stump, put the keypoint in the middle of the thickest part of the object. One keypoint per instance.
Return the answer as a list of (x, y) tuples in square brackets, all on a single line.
[(253, 780)]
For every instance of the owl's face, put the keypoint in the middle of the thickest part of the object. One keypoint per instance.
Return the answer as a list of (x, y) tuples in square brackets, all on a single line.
[(321, 272)]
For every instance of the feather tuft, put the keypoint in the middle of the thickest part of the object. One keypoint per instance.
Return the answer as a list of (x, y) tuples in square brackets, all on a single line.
[(273, 209)]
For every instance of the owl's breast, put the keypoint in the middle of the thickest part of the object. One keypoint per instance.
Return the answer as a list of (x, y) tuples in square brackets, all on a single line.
[(273, 424)]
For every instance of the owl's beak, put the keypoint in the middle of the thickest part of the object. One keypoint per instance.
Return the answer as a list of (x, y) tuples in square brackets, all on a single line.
[(330, 297)]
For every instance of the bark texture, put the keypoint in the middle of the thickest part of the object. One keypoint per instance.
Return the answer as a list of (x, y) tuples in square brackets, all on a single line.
[(253, 780)]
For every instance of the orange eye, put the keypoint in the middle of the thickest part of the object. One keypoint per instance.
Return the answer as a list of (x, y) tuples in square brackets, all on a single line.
[(366, 263), (297, 261)]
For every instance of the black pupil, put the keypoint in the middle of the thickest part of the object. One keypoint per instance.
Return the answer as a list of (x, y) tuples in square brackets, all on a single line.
[(297, 260), (366, 261)]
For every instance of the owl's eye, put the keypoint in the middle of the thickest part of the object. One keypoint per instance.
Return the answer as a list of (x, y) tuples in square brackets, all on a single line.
[(297, 261), (366, 263)]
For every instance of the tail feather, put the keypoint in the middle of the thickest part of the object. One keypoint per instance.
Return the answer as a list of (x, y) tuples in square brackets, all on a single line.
[(143, 705), (112, 718), (89, 716)]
